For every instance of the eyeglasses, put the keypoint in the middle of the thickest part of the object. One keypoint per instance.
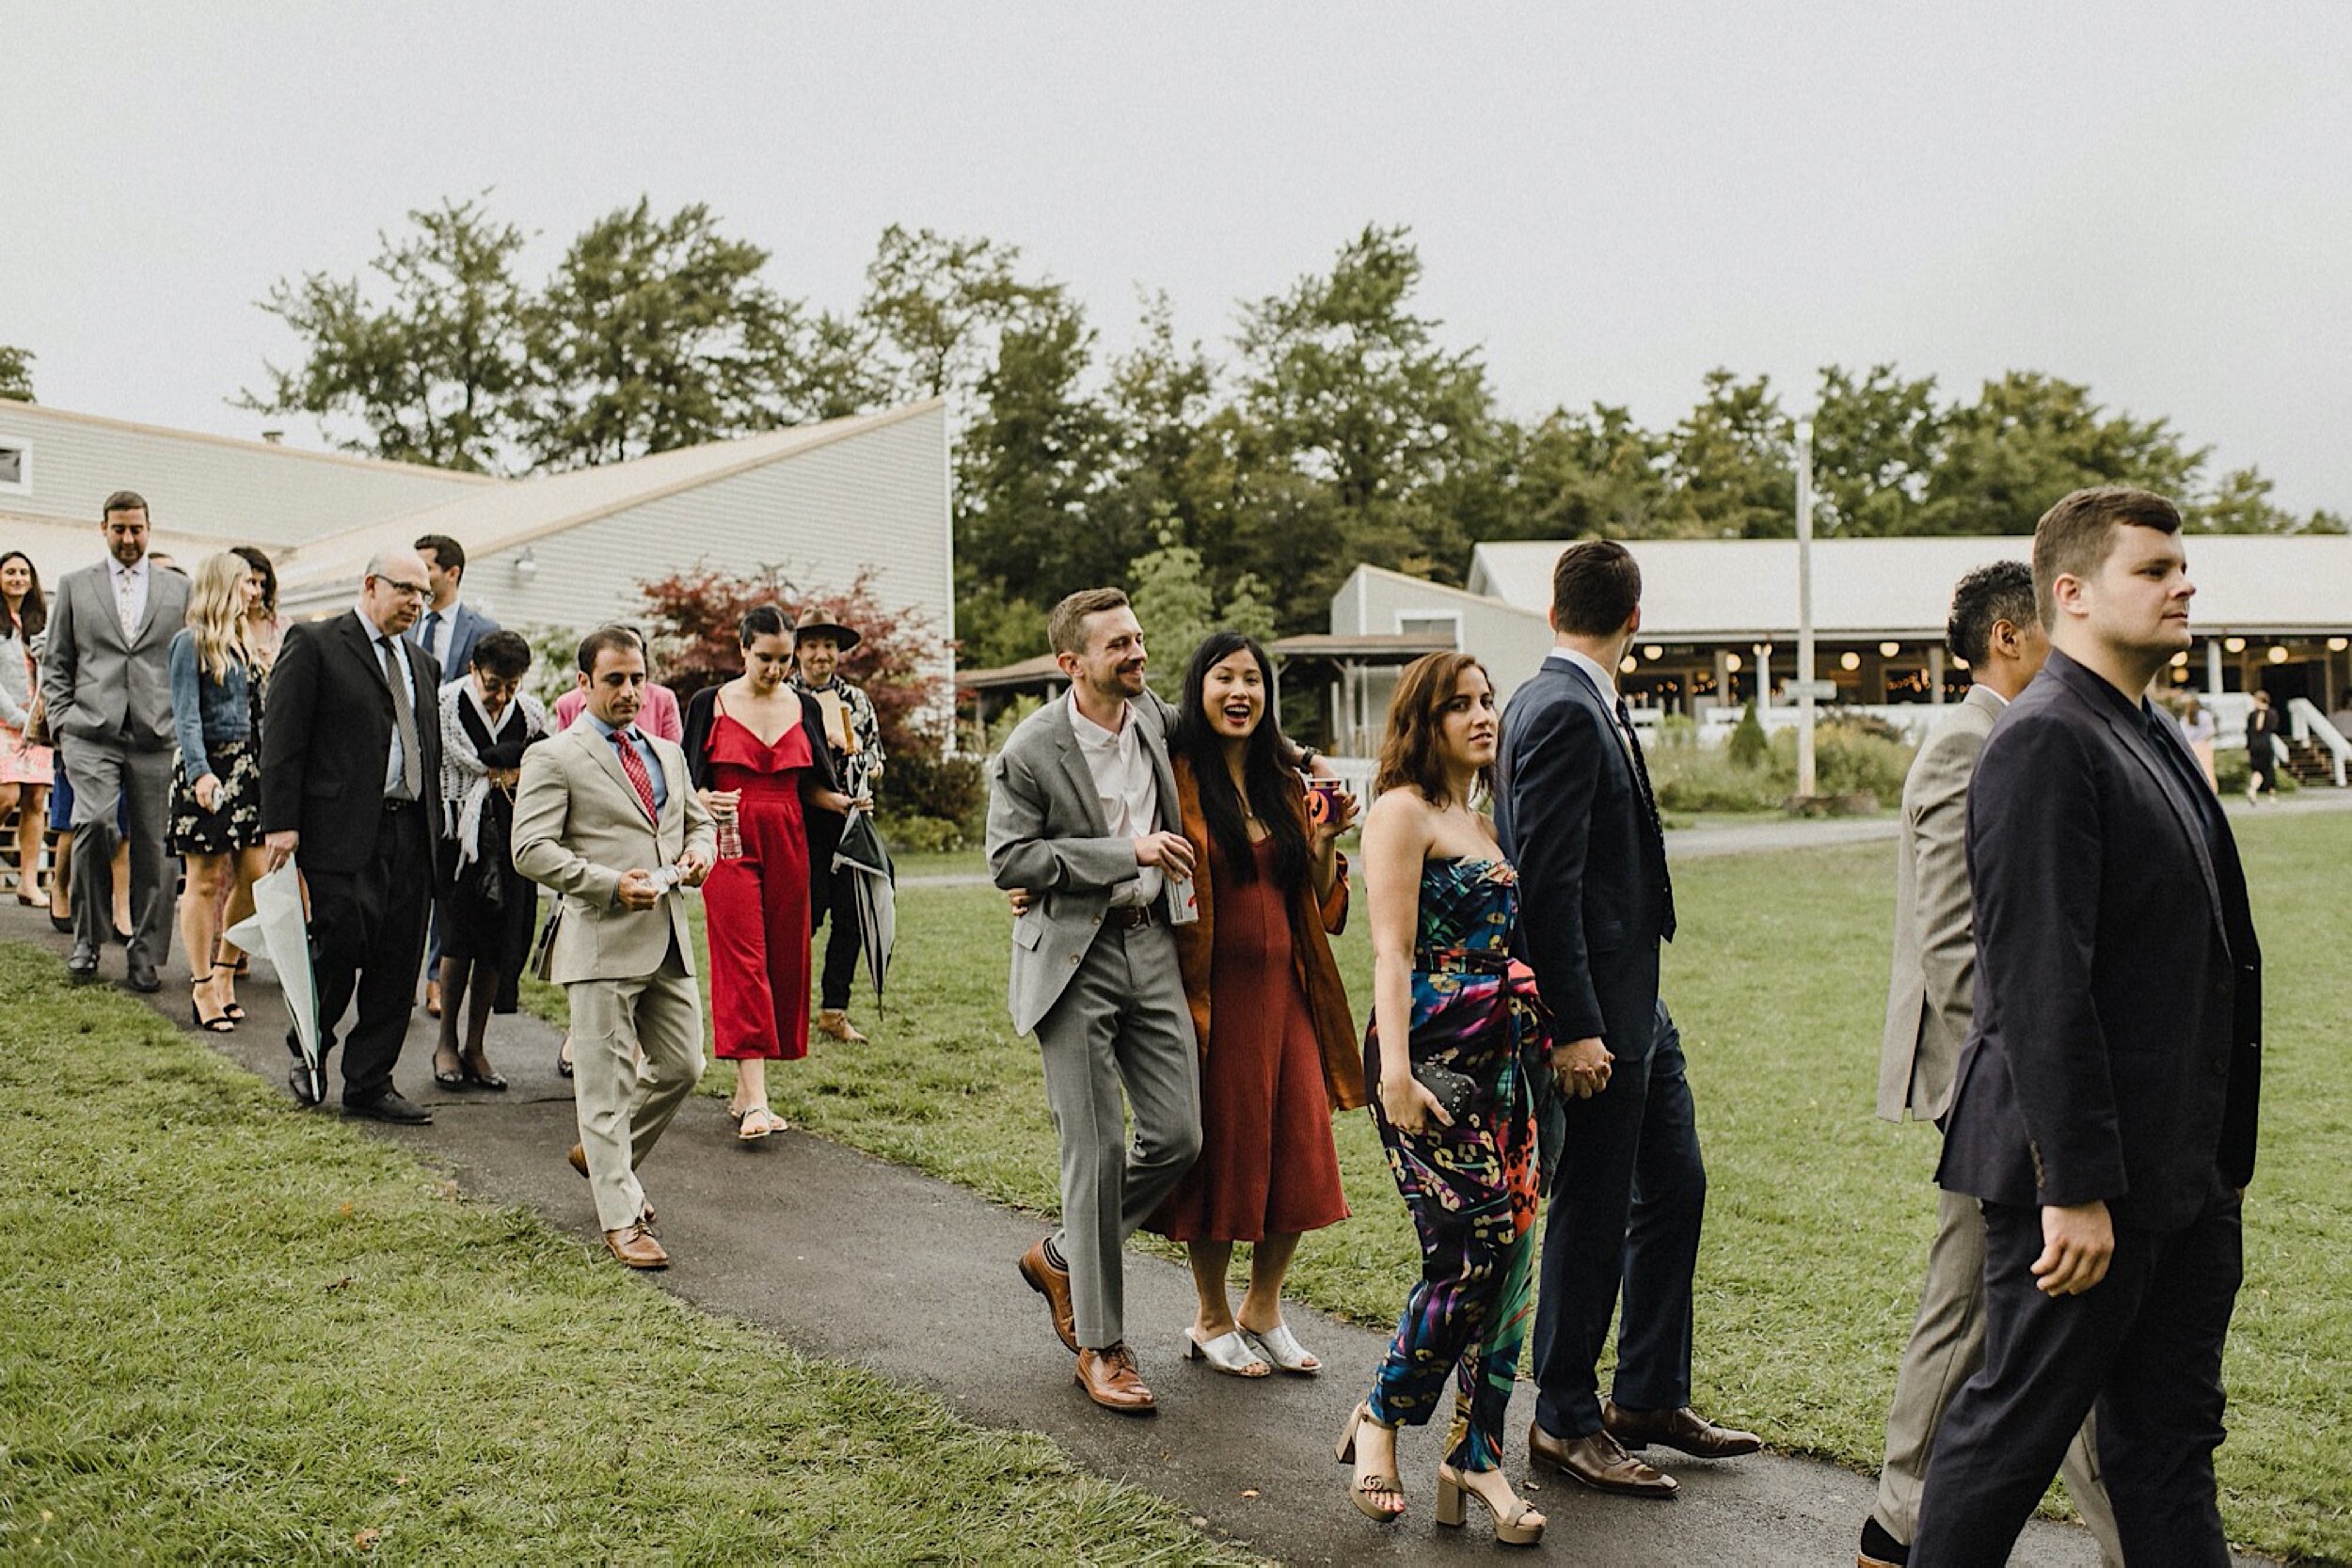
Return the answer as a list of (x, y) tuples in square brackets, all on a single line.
[(406, 590)]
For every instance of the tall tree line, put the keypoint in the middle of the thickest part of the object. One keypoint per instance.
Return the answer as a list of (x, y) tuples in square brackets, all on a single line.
[(1336, 424)]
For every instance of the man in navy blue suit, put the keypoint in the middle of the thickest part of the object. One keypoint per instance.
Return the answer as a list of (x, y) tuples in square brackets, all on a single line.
[(1574, 811), (450, 629), (2104, 1107)]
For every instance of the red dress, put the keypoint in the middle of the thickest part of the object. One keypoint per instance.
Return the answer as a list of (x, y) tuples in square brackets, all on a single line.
[(757, 904), (1267, 1166)]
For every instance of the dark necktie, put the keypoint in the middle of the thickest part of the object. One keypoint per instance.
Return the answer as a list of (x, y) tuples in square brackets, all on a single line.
[(433, 635), (634, 765), (1649, 813), (405, 717)]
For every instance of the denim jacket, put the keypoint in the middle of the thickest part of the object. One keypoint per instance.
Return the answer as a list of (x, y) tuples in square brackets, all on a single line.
[(205, 711)]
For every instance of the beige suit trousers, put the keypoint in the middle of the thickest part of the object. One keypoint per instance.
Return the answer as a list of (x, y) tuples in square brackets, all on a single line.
[(624, 1105), (1947, 1347)]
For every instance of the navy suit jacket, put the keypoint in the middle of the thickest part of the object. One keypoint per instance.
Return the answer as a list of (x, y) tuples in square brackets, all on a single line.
[(2116, 1049), (468, 627), (1594, 898)]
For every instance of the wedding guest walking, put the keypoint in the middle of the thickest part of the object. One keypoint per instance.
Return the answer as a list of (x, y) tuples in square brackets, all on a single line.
[(488, 723), (216, 785), (1628, 1185), (2104, 1113), (265, 633), (448, 629), (350, 769), (658, 714), (1082, 810), (1455, 1038), (606, 816), (107, 685), (854, 733), (1930, 1004), (26, 767), (2262, 750), (757, 752), (2196, 723), (1278, 1041)]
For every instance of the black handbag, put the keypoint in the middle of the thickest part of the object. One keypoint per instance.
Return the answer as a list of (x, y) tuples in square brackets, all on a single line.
[(1454, 1091)]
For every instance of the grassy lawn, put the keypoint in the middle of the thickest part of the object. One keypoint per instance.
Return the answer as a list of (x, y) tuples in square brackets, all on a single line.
[(239, 1332), (1818, 1214)]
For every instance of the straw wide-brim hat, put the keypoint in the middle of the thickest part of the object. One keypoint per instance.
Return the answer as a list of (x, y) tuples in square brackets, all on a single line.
[(843, 636)]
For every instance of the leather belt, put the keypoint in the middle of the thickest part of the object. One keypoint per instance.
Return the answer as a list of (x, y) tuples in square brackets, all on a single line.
[(391, 804), (1132, 916), (1462, 960)]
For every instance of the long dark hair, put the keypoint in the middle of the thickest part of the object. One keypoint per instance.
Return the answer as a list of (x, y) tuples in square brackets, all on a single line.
[(1272, 782), (34, 614)]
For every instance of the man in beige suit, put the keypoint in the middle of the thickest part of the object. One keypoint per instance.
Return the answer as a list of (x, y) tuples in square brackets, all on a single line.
[(605, 817), (1930, 1003)]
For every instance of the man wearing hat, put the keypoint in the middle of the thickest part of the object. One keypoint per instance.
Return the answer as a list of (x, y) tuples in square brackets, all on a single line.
[(855, 734)]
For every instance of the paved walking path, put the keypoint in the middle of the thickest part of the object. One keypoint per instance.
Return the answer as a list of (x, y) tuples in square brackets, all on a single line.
[(856, 1259)]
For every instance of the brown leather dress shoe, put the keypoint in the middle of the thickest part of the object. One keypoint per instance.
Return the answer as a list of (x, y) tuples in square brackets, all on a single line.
[(634, 1244), (1111, 1381), (1054, 1285), (1595, 1460), (1684, 1429), (578, 1157)]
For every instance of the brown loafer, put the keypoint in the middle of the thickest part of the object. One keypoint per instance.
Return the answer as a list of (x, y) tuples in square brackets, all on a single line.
[(1111, 1381), (1684, 1429), (578, 1157), (840, 1027), (1054, 1285), (1595, 1460), (634, 1244)]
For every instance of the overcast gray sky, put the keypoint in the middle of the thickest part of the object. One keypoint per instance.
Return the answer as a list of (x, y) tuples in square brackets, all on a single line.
[(1609, 199)]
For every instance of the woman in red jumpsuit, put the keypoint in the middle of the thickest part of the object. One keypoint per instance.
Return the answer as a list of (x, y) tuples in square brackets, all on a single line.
[(756, 750)]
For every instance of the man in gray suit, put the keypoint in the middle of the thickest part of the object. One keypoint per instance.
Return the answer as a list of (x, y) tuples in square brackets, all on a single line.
[(107, 681), (606, 817), (1081, 813), (1930, 1003)]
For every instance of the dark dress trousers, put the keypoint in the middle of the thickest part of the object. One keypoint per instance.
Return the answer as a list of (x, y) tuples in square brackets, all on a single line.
[(1574, 814), (370, 864), (2115, 1056)]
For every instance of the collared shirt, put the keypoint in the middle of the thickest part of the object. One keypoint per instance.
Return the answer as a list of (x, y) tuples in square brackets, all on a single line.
[(129, 584), (645, 750), (435, 637), (1606, 679), (378, 645), (1124, 788)]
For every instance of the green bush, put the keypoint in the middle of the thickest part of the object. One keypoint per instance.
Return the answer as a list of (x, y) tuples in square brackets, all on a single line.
[(922, 835), (955, 789), (1848, 759), (1748, 744)]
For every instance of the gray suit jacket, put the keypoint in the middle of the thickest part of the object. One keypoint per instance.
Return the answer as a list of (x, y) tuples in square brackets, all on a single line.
[(577, 827), (1046, 833), (100, 684), (1930, 995)]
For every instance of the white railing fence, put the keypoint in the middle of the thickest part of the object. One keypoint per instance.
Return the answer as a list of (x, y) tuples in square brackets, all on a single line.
[(2307, 723)]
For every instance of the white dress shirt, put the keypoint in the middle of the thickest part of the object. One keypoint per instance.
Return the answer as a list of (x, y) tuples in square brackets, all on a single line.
[(443, 634), (1124, 788), (393, 755), (1606, 679), (130, 590)]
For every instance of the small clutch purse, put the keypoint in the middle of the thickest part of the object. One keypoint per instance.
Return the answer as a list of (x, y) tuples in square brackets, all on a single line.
[(1455, 1090)]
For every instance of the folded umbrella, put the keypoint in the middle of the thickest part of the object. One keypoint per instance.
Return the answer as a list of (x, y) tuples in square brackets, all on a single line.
[(860, 850), (279, 928)]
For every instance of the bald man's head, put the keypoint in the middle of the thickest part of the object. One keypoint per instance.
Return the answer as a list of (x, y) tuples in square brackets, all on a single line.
[(393, 592)]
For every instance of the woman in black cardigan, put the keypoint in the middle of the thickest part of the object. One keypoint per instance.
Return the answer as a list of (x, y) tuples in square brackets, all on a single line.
[(756, 750)]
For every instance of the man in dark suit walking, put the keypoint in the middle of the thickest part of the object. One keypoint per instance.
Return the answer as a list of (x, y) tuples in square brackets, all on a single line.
[(2105, 1109), (450, 629), (350, 769), (1574, 812), (106, 681)]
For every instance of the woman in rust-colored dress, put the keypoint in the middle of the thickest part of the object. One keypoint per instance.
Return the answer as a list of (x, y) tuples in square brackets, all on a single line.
[(1278, 1041), (755, 748)]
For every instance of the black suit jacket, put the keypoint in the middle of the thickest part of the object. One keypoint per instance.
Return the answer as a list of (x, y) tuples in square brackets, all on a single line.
[(1593, 891), (326, 731), (2116, 1052)]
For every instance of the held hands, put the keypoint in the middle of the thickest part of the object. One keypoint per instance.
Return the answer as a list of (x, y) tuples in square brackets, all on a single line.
[(1408, 1103), (2078, 1243), (1582, 1068), (1170, 853)]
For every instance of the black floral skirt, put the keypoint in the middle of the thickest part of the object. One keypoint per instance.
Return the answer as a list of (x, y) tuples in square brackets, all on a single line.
[(235, 822)]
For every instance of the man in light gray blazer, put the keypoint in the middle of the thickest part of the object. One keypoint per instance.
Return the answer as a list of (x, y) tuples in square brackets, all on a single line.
[(105, 679), (1082, 813), (1930, 1001), (606, 816)]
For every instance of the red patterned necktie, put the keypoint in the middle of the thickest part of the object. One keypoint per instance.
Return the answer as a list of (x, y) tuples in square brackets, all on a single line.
[(634, 765)]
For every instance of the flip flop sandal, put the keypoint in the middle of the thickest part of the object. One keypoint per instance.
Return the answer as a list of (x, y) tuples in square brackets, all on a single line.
[(1278, 1347), (758, 1122), (1228, 1352)]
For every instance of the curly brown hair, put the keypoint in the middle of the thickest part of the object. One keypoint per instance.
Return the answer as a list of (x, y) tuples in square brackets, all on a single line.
[(1411, 750)]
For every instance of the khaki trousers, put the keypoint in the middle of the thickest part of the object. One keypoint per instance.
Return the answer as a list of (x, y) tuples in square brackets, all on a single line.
[(624, 1105), (1947, 1347)]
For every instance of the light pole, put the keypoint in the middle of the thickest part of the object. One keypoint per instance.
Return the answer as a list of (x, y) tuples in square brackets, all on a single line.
[(1805, 610)]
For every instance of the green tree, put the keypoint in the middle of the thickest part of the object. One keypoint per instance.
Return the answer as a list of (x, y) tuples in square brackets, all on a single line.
[(2241, 503), (1731, 464), (1177, 610), (1589, 474), (1877, 441), (16, 373), (935, 305), (427, 359), (653, 334), (2030, 439)]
